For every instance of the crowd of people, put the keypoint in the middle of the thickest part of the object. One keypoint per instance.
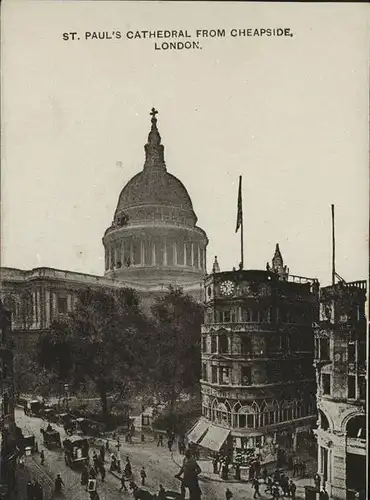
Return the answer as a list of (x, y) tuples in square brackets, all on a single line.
[(276, 484)]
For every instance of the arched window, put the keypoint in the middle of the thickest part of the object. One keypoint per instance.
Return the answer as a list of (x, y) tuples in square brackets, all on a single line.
[(247, 417), (223, 414), (356, 427)]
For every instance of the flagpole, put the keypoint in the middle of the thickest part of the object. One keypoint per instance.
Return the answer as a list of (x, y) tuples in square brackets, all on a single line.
[(242, 236), (239, 222), (333, 247)]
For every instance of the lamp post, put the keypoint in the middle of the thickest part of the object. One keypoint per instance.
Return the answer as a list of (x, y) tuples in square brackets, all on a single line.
[(66, 391)]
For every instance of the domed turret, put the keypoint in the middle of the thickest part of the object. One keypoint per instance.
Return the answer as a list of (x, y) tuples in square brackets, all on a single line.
[(153, 237)]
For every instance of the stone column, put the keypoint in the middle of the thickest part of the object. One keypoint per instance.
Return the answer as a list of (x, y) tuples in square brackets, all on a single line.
[(142, 251), (122, 254), (34, 320), (47, 308), (69, 303), (192, 255), (199, 263), (165, 252), (295, 435), (112, 263), (131, 252), (39, 308), (175, 253), (55, 305), (153, 254), (184, 254), (115, 254)]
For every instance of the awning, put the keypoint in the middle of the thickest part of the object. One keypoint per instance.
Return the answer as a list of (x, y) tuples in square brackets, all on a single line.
[(198, 431), (214, 438)]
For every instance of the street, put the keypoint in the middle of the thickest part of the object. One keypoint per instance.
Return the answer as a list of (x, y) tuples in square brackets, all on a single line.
[(159, 464)]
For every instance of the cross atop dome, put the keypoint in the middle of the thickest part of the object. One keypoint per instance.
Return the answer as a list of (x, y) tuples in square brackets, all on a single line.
[(153, 113), (154, 151)]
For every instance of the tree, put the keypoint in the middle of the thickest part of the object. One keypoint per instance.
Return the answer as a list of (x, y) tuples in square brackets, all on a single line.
[(178, 319), (103, 341)]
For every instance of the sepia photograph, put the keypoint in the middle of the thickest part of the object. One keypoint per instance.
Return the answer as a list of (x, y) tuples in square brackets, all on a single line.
[(184, 250)]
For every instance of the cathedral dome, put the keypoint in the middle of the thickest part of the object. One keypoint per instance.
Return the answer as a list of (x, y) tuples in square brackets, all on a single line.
[(153, 240), (154, 187), (153, 193)]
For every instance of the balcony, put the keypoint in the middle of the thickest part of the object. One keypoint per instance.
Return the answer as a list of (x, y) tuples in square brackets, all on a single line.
[(238, 327)]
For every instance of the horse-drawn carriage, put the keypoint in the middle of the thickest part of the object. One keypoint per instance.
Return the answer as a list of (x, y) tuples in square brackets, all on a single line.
[(33, 408), (51, 437), (88, 427), (76, 451)]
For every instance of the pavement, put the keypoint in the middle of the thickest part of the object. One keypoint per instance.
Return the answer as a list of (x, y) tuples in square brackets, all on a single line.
[(160, 464)]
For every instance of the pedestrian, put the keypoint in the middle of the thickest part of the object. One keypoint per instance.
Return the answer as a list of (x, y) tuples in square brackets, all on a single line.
[(143, 476), (215, 464), (284, 483), (303, 469), (38, 492), (256, 487), (237, 472), (161, 493), (264, 474), (169, 443), (251, 473), (42, 457), (295, 468), (85, 477), (228, 494), (123, 483), (317, 481), (107, 445), (292, 489), (257, 468), (58, 485), (181, 446), (275, 491), (113, 463), (128, 468), (30, 490), (269, 485), (102, 472), (142, 437), (102, 453), (160, 440), (225, 471)]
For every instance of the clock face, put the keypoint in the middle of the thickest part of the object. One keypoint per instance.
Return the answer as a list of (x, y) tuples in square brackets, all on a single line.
[(227, 288)]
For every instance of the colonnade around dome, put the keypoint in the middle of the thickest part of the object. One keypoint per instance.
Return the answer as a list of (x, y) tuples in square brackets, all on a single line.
[(144, 252)]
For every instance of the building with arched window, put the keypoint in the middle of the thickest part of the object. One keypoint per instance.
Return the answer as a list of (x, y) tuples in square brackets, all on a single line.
[(8, 449), (340, 361), (258, 382)]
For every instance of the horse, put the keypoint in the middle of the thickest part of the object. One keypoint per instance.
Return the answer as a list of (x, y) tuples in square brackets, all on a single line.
[(139, 493)]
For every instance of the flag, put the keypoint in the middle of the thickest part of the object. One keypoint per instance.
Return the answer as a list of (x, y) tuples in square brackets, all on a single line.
[(239, 217)]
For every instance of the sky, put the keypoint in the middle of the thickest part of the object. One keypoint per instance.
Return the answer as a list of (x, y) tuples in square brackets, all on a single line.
[(289, 114)]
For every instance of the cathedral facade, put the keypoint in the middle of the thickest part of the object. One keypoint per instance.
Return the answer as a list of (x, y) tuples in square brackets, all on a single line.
[(152, 242)]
